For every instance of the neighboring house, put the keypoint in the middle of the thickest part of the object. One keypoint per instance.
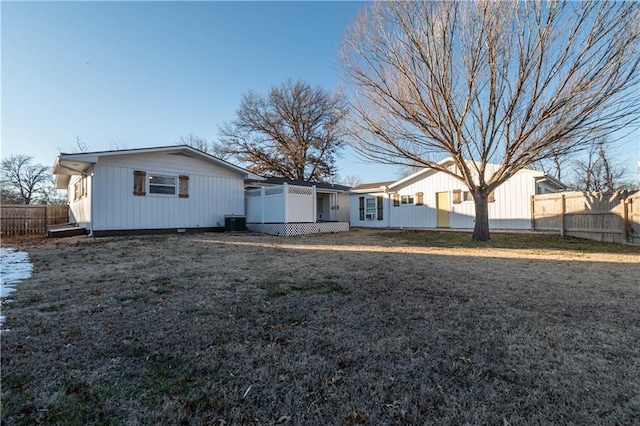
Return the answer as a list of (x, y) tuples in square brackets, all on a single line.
[(174, 188), (286, 207), (434, 199)]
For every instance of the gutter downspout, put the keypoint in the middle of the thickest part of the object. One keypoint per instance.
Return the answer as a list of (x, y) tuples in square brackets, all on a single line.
[(91, 206)]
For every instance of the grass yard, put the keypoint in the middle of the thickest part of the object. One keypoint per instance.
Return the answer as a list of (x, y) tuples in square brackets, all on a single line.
[(365, 327)]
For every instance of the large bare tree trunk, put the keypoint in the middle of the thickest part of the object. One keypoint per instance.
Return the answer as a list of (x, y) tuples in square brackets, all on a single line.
[(481, 227)]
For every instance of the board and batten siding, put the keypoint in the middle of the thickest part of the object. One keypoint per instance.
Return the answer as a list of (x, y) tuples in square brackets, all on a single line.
[(80, 210), (214, 192), (510, 210)]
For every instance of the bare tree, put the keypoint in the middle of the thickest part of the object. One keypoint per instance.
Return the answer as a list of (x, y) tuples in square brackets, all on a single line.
[(349, 180), (81, 146), (504, 82), (553, 164), (23, 182), (597, 172), (295, 132), (408, 169), (201, 144)]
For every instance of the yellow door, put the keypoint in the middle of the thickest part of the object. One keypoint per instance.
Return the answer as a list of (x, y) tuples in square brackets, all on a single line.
[(442, 209)]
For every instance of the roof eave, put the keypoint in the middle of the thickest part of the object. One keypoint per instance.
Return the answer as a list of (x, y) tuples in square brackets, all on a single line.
[(92, 158)]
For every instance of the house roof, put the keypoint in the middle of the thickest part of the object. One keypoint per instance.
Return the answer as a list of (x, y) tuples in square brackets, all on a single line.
[(369, 186), (67, 165), (275, 180), (552, 182)]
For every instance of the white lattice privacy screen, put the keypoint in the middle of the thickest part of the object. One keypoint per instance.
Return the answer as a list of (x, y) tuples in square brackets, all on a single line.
[(289, 229)]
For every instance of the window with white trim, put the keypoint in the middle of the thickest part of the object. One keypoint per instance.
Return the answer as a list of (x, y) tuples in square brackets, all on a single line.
[(370, 206), (162, 185)]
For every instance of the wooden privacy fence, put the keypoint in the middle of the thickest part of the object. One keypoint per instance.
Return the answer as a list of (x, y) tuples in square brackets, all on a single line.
[(30, 219), (606, 217)]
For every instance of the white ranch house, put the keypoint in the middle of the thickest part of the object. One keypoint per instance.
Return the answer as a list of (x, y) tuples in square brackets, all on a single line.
[(163, 189), (433, 199)]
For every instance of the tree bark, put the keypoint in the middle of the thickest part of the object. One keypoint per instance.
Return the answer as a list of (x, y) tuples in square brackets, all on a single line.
[(481, 228)]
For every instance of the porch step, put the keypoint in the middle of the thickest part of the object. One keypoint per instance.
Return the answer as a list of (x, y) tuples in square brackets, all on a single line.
[(65, 230)]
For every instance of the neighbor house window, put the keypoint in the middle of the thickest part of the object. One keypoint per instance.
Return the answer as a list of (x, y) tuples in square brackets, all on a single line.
[(361, 207), (406, 199), (396, 200), (165, 185), (370, 207), (468, 196), (380, 208), (419, 199)]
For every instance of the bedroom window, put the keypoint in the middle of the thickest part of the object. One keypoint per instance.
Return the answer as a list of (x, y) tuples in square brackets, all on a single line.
[(367, 208), (370, 207), (163, 185)]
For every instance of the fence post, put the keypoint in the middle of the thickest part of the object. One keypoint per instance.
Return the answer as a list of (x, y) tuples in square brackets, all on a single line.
[(285, 190), (626, 204), (562, 217), (533, 212), (314, 203), (46, 221)]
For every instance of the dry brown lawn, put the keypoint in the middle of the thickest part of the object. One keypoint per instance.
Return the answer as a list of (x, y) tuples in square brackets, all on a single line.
[(362, 327)]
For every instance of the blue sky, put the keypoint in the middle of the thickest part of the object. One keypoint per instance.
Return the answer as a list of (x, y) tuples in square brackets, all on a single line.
[(140, 74)]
